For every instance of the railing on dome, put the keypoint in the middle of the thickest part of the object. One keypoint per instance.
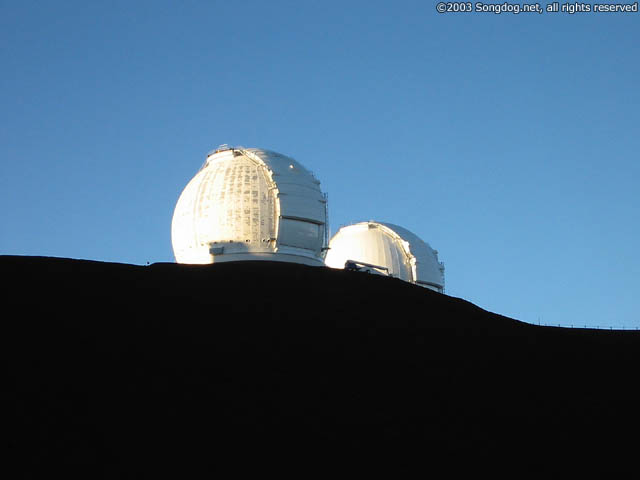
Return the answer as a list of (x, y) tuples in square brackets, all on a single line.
[(325, 243)]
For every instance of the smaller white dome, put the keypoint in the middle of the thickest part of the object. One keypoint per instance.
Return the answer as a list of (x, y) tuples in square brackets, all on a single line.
[(400, 251)]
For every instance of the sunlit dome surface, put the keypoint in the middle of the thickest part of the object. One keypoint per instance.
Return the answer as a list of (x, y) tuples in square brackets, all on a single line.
[(386, 245), (250, 204)]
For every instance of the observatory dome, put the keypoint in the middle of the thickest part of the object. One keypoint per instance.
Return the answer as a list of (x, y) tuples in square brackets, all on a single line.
[(391, 247), (250, 204)]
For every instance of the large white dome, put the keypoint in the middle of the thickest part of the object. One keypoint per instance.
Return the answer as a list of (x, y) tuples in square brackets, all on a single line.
[(250, 204), (400, 251)]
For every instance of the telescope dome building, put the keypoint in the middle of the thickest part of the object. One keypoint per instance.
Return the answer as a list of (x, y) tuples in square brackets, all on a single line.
[(250, 204), (394, 249)]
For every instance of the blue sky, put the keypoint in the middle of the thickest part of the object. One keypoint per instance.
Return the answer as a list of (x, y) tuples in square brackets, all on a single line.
[(508, 142)]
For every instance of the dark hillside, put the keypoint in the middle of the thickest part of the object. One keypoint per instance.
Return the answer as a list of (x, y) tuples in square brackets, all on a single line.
[(119, 371)]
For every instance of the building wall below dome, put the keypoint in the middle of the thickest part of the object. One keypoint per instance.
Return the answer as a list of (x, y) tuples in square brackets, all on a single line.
[(262, 256)]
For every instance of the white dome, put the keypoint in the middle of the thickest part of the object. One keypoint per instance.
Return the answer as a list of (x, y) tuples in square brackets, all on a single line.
[(386, 245), (250, 204)]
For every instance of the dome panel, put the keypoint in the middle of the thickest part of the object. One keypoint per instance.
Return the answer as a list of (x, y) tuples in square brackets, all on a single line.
[(429, 270)]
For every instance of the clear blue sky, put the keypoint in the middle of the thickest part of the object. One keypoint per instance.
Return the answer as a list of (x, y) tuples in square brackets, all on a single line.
[(508, 142)]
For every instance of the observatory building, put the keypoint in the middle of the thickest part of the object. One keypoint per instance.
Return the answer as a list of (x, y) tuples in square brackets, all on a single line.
[(387, 248), (250, 204)]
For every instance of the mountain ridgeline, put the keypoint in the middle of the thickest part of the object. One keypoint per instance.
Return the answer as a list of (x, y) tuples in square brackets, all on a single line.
[(123, 371)]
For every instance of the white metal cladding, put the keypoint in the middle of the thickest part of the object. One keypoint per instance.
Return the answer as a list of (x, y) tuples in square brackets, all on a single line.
[(247, 204), (387, 245), (428, 270)]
